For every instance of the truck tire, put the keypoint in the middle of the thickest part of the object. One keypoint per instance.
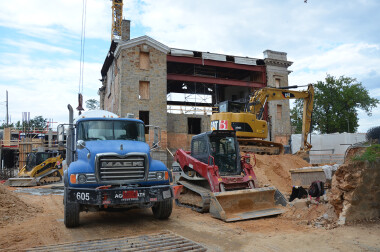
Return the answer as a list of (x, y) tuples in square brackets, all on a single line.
[(163, 209), (71, 214)]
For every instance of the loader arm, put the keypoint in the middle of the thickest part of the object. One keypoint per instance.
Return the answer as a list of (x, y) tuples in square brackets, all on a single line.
[(261, 97)]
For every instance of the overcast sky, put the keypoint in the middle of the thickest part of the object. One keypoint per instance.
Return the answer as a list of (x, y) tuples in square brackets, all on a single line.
[(40, 43)]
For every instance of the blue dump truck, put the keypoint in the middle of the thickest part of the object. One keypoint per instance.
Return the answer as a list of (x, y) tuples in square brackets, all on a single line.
[(110, 166)]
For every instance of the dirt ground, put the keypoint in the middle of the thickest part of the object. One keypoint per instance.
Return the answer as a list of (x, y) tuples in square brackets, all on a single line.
[(45, 227), (28, 220)]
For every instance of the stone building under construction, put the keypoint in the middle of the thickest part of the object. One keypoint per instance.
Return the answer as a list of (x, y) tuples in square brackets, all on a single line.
[(177, 89)]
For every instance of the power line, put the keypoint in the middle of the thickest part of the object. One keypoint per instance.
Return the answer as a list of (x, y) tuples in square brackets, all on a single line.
[(82, 45)]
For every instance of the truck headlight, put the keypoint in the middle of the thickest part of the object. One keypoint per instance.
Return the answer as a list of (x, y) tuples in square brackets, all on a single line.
[(159, 175), (81, 179), (162, 175)]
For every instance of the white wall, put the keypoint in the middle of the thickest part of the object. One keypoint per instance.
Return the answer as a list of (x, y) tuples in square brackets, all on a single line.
[(328, 148)]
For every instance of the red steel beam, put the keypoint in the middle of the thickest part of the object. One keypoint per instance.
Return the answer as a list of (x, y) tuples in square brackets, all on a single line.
[(206, 62), (190, 78)]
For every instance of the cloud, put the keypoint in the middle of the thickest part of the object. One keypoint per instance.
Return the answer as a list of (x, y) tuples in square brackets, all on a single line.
[(46, 87), (56, 19), (30, 45), (339, 38)]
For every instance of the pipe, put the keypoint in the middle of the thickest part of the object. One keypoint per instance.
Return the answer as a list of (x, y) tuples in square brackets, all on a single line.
[(70, 136)]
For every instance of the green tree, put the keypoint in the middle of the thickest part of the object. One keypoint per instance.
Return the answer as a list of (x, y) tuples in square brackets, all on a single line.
[(38, 122), (92, 104), (296, 117), (4, 125), (336, 104)]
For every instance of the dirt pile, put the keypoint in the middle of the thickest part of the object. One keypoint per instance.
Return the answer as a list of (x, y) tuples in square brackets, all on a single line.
[(274, 170), (13, 208), (355, 192)]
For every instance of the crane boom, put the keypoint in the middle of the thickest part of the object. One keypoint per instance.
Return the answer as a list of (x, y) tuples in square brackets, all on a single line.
[(117, 17)]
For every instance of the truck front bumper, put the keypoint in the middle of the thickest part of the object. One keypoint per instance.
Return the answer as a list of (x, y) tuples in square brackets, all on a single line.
[(118, 195)]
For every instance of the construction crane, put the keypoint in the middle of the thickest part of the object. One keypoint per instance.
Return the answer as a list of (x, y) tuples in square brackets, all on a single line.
[(117, 17)]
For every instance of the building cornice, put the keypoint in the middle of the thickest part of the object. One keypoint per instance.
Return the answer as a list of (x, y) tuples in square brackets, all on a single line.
[(141, 40), (277, 62)]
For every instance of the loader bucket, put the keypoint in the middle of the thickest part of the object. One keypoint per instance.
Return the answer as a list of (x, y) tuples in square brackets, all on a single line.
[(244, 204), (21, 182)]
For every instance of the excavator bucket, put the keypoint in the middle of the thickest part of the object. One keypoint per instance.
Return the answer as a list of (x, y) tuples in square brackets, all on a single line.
[(21, 182), (244, 204)]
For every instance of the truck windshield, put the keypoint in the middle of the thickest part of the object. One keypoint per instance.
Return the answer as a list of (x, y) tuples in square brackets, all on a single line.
[(111, 130)]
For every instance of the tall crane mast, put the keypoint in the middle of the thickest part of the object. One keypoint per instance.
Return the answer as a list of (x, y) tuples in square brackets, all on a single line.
[(117, 17)]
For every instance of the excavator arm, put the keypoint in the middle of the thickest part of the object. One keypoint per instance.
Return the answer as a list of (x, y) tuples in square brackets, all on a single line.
[(259, 99)]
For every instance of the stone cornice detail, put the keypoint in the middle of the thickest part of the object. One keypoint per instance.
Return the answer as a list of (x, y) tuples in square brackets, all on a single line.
[(276, 62)]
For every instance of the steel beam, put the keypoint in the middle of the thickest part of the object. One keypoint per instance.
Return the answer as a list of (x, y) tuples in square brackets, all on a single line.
[(206, 62), (201, 79)]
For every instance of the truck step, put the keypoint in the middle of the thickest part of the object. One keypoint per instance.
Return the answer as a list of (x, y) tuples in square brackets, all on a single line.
[(163, 241)]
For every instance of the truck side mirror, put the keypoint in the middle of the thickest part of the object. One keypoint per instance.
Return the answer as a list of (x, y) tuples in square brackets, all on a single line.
[(61, 134), (81, 144)]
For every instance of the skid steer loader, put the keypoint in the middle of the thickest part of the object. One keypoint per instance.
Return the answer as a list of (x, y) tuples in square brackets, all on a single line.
[(41, 168), (216, 179)]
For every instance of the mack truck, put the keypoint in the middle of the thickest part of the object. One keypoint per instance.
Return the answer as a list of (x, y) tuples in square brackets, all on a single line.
[(109, 165)]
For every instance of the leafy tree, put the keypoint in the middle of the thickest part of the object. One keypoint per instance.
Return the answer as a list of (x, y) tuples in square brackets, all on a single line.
[(336, 102), (296, 117), (92, 104), (4, 125), (38, 122)]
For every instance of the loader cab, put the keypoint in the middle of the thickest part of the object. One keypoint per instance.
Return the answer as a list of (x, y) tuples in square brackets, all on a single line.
[(36, 158), (222, 146)]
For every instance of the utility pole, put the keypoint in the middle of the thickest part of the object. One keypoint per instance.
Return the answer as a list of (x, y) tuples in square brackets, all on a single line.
[(6, 104)]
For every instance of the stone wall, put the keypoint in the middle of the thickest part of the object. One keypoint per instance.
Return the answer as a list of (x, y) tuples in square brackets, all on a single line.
[(279, 111), (131, 75)]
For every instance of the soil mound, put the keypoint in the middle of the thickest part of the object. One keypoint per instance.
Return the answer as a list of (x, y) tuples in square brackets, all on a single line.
[(13, 208), (274, 170), (355, 192)]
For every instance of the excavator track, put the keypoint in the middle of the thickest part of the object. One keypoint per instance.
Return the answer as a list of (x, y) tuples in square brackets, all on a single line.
[(195, 197), (260, 146)]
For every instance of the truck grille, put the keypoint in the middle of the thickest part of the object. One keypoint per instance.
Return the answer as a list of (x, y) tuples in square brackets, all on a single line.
[(121, 169)]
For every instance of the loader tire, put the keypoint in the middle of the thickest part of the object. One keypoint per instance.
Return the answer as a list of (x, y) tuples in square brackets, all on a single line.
[(163, 209), (71, 214)]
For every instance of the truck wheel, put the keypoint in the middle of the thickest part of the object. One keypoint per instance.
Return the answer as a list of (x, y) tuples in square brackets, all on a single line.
[(71, 214), (163, 209)]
